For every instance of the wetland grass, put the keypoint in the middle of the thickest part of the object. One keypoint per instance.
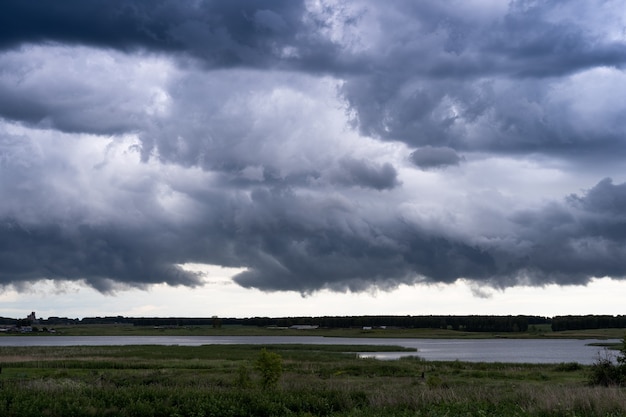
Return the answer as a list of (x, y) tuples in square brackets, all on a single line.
[(221, 380)]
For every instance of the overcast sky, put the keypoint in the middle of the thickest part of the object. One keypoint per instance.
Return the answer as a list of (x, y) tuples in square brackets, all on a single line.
[(341, 155)]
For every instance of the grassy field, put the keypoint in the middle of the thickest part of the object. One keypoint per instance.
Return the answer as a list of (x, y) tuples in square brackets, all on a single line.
[(540, 331), (316, 381)]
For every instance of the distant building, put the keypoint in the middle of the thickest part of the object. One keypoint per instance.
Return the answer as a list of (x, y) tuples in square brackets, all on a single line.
[(32, 318)]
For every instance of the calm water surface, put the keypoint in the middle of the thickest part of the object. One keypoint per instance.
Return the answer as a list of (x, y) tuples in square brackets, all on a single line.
[(482, 350)]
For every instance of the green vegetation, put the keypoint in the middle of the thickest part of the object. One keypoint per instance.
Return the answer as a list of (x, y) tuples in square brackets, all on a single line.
[(473, 323), (590, 321), (607, 372), (312, 380), (450, 326), (534, 331), (269, 365)]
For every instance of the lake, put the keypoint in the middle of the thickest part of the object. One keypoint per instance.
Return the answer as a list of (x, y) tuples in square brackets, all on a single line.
[(469, 350)]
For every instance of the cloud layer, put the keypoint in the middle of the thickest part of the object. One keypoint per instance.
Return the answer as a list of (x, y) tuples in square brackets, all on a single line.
[(318, 144)]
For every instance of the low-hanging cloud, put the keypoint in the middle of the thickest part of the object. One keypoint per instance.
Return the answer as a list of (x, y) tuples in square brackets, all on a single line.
[(138, 136), (580, 238)]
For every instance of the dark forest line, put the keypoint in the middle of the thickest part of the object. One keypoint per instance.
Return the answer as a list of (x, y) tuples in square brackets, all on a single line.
[(470, 323)]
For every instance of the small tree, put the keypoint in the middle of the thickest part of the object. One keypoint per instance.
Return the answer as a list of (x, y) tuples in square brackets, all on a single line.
[(269, 364), (605, 372)]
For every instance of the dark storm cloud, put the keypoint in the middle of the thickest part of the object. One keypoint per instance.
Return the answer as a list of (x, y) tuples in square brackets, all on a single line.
[(294, 241), (429, 157), (268, 188), (431, 76), (583, 237), (288, 242), (605, 199), (101, 257), (227, 34), (340, 260), (537, 46), (483, 83)]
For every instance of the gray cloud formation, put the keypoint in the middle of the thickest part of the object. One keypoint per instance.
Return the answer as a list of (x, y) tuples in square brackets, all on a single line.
[(137, 136), (582, 237), (223, 34), (366, 174), (429, 157), (467, 79)]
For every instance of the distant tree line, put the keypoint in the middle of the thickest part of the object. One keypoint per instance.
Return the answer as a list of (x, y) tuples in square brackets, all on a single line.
[(5, 321), (560, 323), (470, 323), (466, 323), (14, 322)]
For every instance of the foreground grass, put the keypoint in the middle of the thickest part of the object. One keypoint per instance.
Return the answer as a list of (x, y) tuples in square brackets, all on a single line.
[(220, 380)]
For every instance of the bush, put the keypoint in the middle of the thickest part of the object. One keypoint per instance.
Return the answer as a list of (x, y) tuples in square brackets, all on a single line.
[(243, 377), (435, 382), (269, 365), (606, 372)]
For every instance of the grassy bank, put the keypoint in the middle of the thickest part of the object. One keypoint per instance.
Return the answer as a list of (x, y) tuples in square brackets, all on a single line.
[(316, 381)]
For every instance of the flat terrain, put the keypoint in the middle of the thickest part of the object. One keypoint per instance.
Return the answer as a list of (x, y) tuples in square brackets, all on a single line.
[(542, 331), (315, 381)]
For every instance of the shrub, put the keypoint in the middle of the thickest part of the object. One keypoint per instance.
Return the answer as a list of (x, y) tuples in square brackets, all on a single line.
[(435, 382), (269, 365), (243, 377), (606, 372)]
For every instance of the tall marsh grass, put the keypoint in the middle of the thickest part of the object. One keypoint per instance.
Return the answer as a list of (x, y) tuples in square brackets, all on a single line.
[(316, 381)]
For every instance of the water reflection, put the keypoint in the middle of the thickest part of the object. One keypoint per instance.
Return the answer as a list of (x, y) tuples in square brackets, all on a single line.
[(501, 350), (473, 350)]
